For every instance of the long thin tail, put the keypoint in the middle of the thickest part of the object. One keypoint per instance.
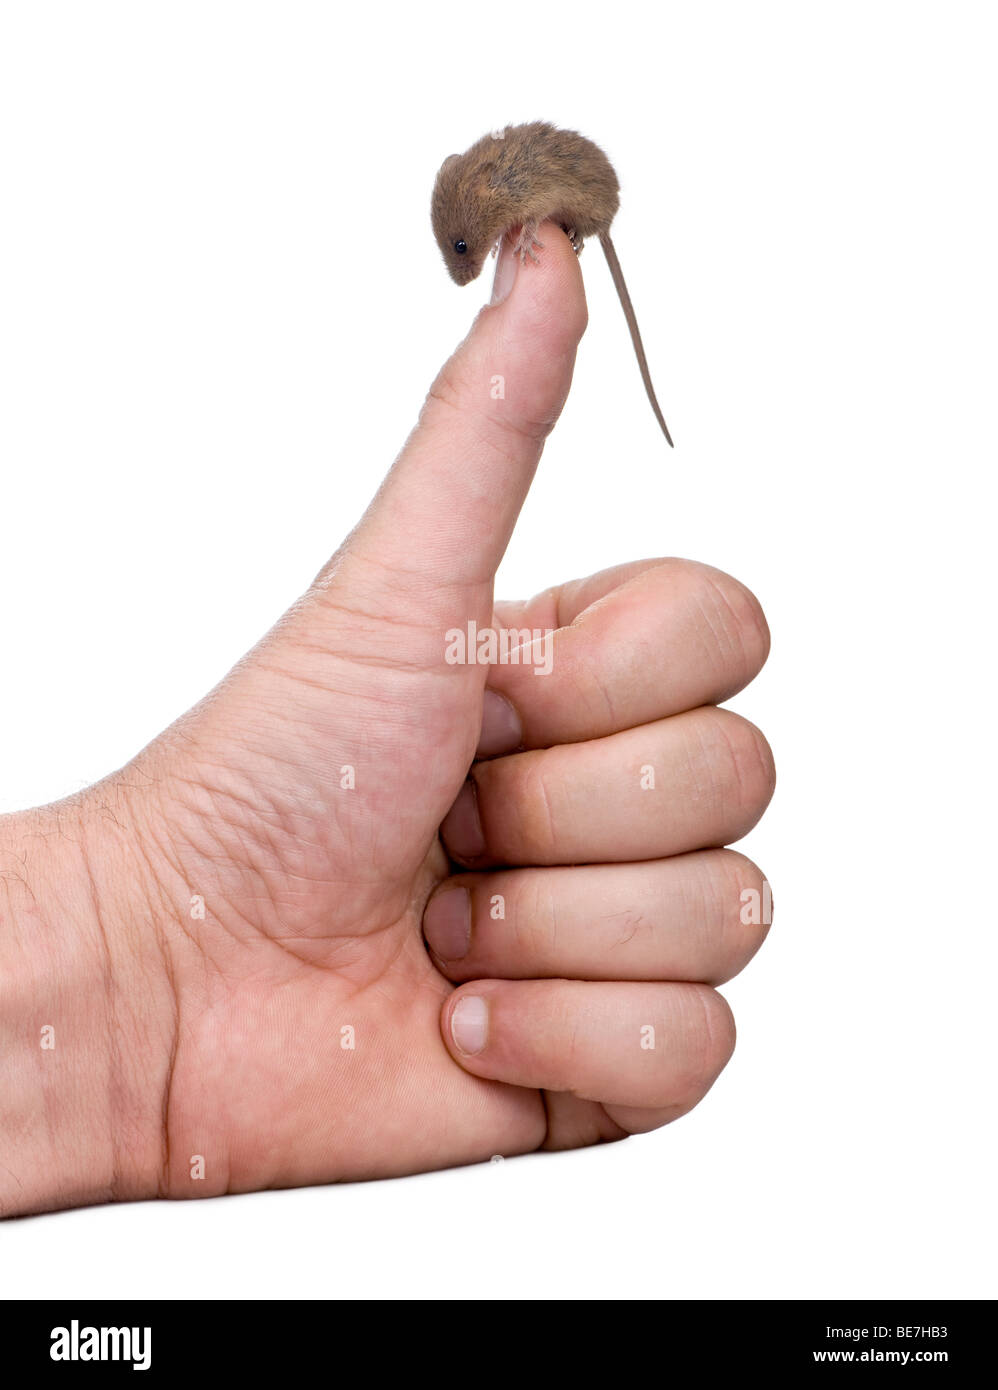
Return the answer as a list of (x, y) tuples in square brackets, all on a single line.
[(632, 323)]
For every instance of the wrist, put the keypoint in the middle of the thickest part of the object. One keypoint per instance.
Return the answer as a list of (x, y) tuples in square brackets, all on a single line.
[(86, 1024)]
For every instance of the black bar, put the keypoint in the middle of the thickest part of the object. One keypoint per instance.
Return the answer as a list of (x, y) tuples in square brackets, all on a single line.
[(294, 1340)]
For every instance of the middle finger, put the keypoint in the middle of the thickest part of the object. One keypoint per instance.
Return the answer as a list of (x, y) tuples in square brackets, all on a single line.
[(692, 781)]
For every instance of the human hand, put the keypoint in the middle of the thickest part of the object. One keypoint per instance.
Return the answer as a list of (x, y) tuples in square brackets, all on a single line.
[(226, 935)]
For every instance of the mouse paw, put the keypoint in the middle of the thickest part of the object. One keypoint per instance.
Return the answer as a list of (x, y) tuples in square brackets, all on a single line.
[(575, 239), (526, 241)]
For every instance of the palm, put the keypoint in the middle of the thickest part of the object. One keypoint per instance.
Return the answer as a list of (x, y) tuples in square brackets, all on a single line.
[(320, 1055)]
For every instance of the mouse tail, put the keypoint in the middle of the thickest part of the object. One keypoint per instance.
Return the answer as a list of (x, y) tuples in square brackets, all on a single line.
[(632, 324)]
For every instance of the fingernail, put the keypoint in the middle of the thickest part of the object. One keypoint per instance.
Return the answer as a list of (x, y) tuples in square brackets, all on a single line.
[(447, 923), (501, 729), (469, 1023), (462, 826), (502, 281)]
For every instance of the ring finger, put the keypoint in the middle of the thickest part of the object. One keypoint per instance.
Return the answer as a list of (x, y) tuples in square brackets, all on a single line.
[(695, 917)]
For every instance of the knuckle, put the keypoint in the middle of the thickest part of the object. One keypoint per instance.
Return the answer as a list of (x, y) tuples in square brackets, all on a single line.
[(737, 634), (536, 810), (740, 909), (744, 766), (719, 1032), (712, 1027), (705, 1042), (741, 618), (526, 935)]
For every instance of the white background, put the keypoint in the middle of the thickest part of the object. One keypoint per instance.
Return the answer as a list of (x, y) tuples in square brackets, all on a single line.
[(220, 308)]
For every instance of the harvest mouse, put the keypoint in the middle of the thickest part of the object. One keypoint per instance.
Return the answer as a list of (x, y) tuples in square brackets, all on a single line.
[(519, 177)]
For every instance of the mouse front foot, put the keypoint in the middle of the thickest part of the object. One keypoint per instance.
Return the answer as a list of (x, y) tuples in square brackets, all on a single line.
[(526, 241)]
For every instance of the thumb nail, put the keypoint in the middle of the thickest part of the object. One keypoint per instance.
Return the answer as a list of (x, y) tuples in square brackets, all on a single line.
[(505, 274), (469, 1024)]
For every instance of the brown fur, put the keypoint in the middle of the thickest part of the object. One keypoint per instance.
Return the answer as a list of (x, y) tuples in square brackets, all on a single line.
[(522, 176)]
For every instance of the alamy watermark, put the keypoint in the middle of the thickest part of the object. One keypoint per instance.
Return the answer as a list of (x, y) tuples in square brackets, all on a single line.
[(504, 646), (76, 1343)]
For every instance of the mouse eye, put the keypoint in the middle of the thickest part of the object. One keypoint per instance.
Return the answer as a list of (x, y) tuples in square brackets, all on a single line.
[(460, 247)]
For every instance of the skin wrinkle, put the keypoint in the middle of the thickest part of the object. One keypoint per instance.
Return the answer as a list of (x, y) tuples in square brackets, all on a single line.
[(537, 781), (394, 572), (257, 814), (443, 395), (717, 1050), (379, 662), (222, 848), (589, 666), (555, 926), (545, 943), (402, 722), (111, 1023), (709, 903), (740, 873), (713, 651), (740, 624), (166, 1167), (178, 917), (46, 1100), (714, 614), (446, 672), (166, 1179), (701, 733), (227, 921), (254, 931), (738, 754), (257, 817), (179, 778), (531, 432), (163, 1178), (573, 1043), (376, 621)]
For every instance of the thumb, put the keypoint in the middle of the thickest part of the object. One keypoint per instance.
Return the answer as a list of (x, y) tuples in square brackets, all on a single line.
[(355, 673), (427, 549)]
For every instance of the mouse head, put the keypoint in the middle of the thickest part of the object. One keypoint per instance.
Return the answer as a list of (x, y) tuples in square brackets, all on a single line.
[(463, 215)]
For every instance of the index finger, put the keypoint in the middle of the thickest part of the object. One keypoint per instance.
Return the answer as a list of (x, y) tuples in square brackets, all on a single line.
[(629, 646)]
